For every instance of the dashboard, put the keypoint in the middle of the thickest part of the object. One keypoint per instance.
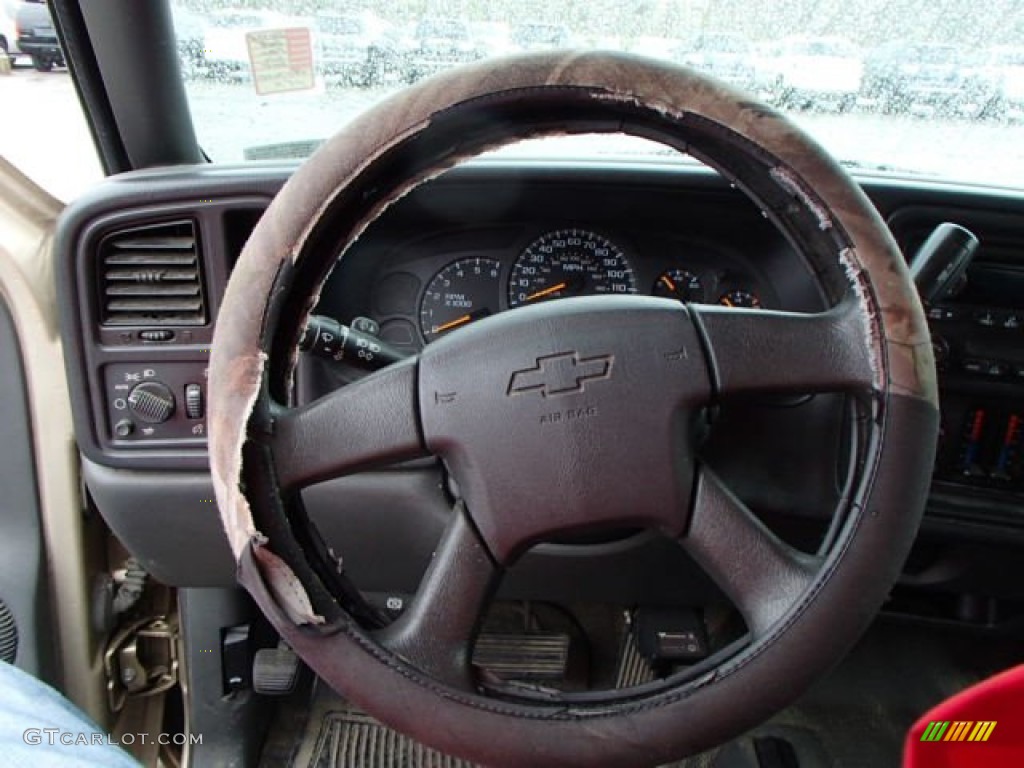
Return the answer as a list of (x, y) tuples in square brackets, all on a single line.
[(482, 239)]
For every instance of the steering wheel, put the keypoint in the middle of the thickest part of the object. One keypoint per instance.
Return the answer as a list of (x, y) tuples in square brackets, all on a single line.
[(596, 401)]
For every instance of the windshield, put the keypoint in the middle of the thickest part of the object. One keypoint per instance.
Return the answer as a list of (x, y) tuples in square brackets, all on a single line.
[(235, 20), (339, 25), (894, 86), (540, 34), (1009, 57), (723, 44), (822, 48), (450, 29), (936, 54)]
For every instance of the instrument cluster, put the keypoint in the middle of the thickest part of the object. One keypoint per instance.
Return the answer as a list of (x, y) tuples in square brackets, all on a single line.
[(463, 284)]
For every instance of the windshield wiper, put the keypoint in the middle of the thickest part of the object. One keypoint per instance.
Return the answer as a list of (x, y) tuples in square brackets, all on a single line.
[(283, 150), (899, 170)]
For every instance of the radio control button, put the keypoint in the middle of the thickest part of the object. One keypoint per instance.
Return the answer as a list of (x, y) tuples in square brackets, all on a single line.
[(985, 318), (992, 368), (942, 313), (996, 370)]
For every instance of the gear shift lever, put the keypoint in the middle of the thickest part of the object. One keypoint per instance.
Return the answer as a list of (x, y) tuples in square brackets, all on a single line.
[(941, 261)]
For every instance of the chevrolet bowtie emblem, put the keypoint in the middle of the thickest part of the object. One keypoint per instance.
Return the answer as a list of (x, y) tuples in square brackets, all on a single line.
[(561, 374)]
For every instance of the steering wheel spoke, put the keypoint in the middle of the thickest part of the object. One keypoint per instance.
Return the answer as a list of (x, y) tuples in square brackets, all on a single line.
[(764, 351), (369, 423), (437, 631), (759, 572)]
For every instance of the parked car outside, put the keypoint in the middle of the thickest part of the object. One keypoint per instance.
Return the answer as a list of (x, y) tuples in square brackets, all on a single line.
[(359, 48), (535, 37), (767, 58), (190, 31), (823, 71), (37, 37), (900, 75), (9, 29), (727, 57), (437, 44), (999, 78)]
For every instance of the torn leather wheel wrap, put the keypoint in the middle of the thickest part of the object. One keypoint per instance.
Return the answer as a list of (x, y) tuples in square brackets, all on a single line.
[(654, 365)]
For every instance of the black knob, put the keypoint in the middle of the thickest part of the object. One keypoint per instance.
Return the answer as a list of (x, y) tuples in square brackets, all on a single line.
[(152, 402)]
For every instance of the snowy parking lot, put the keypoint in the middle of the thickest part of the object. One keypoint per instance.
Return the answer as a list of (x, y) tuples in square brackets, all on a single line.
[(44, 133)]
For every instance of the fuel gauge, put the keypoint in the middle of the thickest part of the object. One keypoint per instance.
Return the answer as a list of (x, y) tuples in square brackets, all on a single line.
[(740, 298), (681, 284)]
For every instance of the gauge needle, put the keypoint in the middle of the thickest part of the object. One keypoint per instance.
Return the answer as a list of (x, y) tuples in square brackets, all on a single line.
[(453, 323), (669, 283), (475, 315), (547, 291)]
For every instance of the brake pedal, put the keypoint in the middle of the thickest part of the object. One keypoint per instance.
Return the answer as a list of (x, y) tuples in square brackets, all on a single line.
[(275, 671), (531, 656)]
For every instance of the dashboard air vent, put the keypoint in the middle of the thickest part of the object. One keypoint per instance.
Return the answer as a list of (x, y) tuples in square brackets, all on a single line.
[(152, 276)]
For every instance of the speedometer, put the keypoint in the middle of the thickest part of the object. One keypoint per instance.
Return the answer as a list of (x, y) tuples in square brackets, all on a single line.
[(569, 262)]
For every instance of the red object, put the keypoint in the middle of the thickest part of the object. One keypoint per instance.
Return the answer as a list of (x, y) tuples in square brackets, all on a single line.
[(1000, 699)]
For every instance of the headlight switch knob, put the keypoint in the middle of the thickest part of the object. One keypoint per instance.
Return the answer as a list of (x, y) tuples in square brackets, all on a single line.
[(152, 402)]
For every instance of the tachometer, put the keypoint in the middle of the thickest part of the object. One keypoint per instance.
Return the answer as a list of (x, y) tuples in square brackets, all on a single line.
[(569, 262), (464, 291)]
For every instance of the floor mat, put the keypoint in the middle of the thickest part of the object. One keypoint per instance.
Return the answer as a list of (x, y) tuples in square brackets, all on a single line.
[(337, 736), (352, 740), (855, 716)]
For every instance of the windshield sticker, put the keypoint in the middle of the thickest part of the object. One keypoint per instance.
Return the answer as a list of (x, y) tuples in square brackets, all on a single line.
[(281, 59)]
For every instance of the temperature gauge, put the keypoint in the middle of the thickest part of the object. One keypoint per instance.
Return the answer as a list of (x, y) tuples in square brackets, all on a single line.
[(740, 298)]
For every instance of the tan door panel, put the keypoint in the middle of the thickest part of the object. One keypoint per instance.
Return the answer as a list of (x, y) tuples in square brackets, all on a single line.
[(27, 218)]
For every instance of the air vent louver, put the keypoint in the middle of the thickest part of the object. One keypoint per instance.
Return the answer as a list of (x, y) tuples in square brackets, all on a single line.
[(152, 276)]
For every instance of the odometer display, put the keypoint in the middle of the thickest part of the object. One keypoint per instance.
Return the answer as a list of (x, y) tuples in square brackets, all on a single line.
[(464, 291), (569, 262)]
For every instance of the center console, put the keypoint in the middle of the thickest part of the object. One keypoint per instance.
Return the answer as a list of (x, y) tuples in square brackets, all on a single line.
[(978, 337)]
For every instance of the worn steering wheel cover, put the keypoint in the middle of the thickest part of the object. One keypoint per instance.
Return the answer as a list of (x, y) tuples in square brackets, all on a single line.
[(847, 591)]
